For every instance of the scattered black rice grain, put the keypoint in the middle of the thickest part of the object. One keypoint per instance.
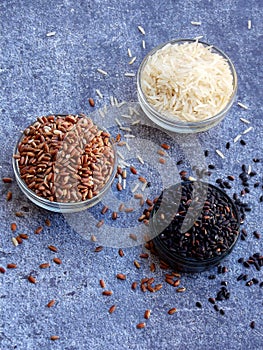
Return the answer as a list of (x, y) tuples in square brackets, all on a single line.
[(240, 277), (252, 324), (256, 160), (222, 312), (212, 300), (179, 162), (243, 142), (261, 284), (227, 145), (211, 166), (206, 153), (198, 304), (216, 307), (231, 177)]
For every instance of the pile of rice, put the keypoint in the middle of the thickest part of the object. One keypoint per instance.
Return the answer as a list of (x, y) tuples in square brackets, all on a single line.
[(187, 81)]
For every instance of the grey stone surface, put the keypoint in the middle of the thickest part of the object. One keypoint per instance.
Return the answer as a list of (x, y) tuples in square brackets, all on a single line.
[(42, 75)]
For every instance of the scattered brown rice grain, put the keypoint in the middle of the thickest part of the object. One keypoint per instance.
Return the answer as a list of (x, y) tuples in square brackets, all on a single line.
[(9, 196), (13, 226), (7, 180), (121, 276), (23, 235), (48, 222), (121, 207), (137, 264), (11, 266), (140, 325), (91, 102), (51, 303), (98, 249), (142, 179), (158, 287), (57, 261), (112, 309), (100, 223), (114, 215), (162, 160), (144, 255), (38, 230), (129, 210), (181, 289), (31, 279), (102, 284), (104, 209), (152, 267), (2, 269), (119, 186), (165, 146), (52, 248), (134, 285), (172, 311), (19, 240), (44, 265), (133, 236), (121, 253), (169, 281), (107, 292), (138, 196), (147, 314), (54, 337), (19, 214), (176, 274), (133, 170)]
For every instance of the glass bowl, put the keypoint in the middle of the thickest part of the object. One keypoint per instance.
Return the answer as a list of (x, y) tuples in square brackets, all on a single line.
[(170, 122), (180, 249), (64, 206)]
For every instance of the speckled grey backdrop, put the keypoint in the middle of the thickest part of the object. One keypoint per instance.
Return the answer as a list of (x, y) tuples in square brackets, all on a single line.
[(42, 75)]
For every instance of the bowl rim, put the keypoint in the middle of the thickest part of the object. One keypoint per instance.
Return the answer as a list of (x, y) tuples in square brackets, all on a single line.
[(178, 123), (61, 205), (188, 260)]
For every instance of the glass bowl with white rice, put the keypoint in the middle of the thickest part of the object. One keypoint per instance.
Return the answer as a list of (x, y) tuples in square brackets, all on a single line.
[(186, 85)]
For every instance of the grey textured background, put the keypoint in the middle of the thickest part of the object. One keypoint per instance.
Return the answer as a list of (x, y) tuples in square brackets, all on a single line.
[(42, 75)]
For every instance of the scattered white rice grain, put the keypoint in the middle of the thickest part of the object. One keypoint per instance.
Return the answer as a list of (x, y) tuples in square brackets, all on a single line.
[(124, 128), (118, 122), (135, 111), (140, 159), (144, 185), (242, 105), (131, 75), (127, 146), (194, 23), (101, 113), (119, 179), (112, 101), (135, 188), (126, 116), (136, 122), (124, 184), (129, 52), (236, 138), (141, 30), (101, 71), (14, 241), (220, 154), (191, 178), (247, 130), (249, 24), (249, 169), (50, 34), (121, 104), (129, 136), (245, 121), (105, 109), (124, 164), (115, 101), (133, 60), (143, 44), (99, 93), (198, 37)]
